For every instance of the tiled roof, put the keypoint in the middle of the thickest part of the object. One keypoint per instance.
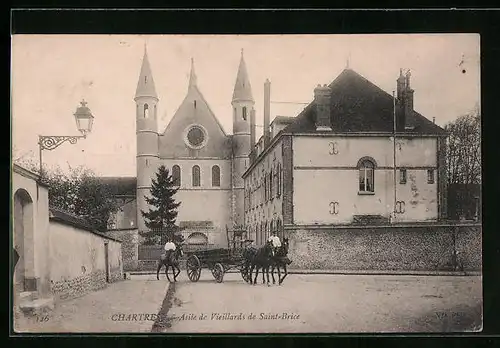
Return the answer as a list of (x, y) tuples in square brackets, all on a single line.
[(357, 105), (120, 185)]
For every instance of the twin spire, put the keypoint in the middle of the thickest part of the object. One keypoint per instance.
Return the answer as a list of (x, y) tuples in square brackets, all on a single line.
[(242, 87), (146, 86)]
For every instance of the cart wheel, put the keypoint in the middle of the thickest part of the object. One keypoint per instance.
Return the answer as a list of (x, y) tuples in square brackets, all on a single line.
[(218, 272), (193, 267)]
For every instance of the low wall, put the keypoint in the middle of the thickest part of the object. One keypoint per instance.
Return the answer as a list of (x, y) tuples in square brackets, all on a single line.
[(78, 260), (130, 243), (410, 248)]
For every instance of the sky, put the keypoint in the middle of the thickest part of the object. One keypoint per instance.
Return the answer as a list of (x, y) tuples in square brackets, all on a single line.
[(51, 74)]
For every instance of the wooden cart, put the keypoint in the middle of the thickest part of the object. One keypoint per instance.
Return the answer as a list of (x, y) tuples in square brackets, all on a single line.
[(220, 260)]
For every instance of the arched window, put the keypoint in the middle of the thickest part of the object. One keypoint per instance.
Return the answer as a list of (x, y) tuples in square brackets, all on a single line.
[(196, 176), (146, 110), (366, 175), (244, 113), (215, 176), (176, 175)]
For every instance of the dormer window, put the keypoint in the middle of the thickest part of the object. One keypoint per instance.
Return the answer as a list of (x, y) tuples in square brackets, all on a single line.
[(145, 79)]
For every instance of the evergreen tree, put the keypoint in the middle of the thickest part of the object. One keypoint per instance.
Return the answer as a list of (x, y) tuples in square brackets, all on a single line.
[(161, 217)]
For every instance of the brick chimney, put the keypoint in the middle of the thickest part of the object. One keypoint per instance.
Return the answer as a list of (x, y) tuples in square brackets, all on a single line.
[(252, 134), (401, 85), (408, 103), (322, 101), (267, 112)]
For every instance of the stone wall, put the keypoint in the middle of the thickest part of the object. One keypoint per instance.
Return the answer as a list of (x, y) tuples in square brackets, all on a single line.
[(79, 262), (401, 248), (130, 243)]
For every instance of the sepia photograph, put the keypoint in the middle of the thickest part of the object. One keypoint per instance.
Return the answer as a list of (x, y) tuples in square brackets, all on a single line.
[(241, 184)]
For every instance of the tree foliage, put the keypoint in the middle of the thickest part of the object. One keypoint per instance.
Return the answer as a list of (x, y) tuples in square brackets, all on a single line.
[(463, 151), (161, 217), (77, 191)]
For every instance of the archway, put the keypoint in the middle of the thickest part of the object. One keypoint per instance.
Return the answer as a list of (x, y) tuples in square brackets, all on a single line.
[(197, 238), (23, 237)]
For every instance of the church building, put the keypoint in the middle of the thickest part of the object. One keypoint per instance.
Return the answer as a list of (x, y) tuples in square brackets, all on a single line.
[(205, 163)]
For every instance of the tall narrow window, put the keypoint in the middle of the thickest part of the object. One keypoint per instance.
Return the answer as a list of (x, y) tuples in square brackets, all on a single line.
[(278, 227), (430, 176), (244, 113), (194, 104), (279, 180), (366, 176), (146, 110), (176, 175), (196, 176), (271, 192), (215, 176), (402, 176)]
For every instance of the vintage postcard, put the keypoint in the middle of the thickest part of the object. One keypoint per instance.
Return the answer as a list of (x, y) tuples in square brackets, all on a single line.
[(246, 184)]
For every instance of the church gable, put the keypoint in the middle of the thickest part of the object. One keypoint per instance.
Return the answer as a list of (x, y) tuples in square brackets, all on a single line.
[(194, 131)]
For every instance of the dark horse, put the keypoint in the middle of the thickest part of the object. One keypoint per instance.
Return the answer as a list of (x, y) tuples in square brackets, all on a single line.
[(281, 259), (168, 259), (258, 258)]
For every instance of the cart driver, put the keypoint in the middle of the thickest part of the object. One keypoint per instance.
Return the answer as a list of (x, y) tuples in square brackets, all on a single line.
[(275, 241)]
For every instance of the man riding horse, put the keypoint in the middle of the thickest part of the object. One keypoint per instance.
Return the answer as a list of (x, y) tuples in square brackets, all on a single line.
[(170, 258)]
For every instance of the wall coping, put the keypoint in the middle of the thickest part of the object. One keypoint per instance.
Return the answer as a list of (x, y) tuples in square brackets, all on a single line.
[(27, 173), (75, 221), (395, 225)]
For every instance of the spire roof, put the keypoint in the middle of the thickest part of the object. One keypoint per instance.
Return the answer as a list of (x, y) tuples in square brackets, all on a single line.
[(192, 75), (242, 87), (146, 84)]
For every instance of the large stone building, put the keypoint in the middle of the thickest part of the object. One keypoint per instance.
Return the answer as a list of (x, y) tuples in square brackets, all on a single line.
[(206, 163), (337, 163)]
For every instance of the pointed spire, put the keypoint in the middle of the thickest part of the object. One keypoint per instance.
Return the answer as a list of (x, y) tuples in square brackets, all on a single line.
[(192, 75), (146, 84), (242, 87)]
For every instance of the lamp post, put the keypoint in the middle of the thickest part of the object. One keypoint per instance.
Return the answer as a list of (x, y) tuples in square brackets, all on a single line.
[(84, 120)]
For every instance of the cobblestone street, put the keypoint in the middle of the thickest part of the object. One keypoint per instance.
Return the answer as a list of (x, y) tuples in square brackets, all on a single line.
[(312, 303)]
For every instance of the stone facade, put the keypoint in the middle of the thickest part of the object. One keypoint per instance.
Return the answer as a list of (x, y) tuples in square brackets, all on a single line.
[(402, 248), (329, 176)]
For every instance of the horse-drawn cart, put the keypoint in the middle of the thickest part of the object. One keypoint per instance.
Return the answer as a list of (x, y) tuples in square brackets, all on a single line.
[(220, 260)]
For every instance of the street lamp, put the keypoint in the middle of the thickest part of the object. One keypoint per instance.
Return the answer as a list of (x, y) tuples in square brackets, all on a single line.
[(84, 120)]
